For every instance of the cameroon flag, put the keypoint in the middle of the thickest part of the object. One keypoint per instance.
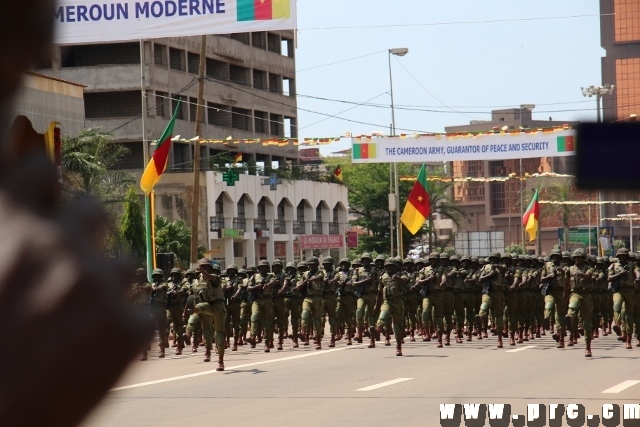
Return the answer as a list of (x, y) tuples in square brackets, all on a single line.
[(158, 162), (338, 173), (531, 217), (418, 205)]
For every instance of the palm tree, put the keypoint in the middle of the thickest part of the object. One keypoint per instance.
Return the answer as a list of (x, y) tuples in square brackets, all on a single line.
[(561, 192), (89, 163), (175, 237)]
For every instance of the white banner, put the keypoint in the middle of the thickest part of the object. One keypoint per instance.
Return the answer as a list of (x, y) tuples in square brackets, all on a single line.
[(447, 148), (90, 21)]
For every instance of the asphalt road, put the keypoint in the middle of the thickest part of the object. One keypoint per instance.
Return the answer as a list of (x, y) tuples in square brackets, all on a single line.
[(320, 388)]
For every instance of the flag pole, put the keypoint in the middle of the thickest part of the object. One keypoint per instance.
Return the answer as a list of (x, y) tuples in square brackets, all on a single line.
[(153, 229), (148, 234)]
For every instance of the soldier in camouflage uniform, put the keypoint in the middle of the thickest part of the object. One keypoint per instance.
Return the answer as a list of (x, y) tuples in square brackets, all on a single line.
[(419, 265), (211, 308), (231, 285), (493, 293), (176, 295), (511, 280), (346, 302), (622, 278), (553, 283), (292, 299), (392, 309), (312, 306), (245, 304), (411, 298), (366, 291), (477, 264), (428, 284), (158, 307), (261, 287), (446, 284), (302, 267), (580, 281), (279, 309), (468, 309), (330, 298), (458, 298), (140, 297), (601, 297)]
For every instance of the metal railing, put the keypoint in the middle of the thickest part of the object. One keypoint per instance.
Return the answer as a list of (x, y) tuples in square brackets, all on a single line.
[(333, 228), (279, 227), (316, 227), (299, 227), (240, 224)]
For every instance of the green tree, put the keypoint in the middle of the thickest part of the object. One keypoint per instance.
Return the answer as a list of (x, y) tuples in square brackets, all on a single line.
[(442, 204), (89, 162), (175, 237), (561, 192), (132, 226)]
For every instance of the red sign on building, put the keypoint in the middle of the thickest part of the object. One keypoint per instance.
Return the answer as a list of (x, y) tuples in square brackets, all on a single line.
[(352, 239), (321, 241)]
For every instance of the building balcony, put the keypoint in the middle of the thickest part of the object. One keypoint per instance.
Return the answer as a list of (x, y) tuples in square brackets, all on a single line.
[(216, 223), (260, 224), (299, 227), (280, 227), (316, 227), (333, 228), (240, 224)]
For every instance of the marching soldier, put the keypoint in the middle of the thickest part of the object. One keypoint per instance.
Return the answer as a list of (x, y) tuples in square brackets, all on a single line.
[(393, 283), (261, 287), (292, 300), (140, 298), (411, 297), (279, 311), (232, 284), (476, 265), (458, 298), (210, 306), (176, 293), (312, 306), (465, 280), (448, 276), (429, 286), (366, 291), (330, 298), (346, 303), (621, 280), (553, 283), (492, 293), (511, 280), (159, 307), (580, 282)]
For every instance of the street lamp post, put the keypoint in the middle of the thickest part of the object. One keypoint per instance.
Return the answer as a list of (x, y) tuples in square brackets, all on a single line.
[(397, 52), (599, 92)]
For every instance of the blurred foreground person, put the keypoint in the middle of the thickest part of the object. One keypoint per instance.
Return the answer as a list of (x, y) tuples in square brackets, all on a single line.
[(72, 280)]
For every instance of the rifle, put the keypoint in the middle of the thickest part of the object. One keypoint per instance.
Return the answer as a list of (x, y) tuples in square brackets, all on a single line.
[(344, 282), (359, 291), (544, 288)]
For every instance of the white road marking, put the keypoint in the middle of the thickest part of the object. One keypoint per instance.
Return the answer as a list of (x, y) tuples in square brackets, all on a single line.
[(520, 349), (622, 386), (227, 369), (384, 384)]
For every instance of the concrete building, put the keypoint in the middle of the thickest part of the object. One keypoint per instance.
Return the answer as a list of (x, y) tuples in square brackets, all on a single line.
[(254, 220), (250, 92), (497, 206)]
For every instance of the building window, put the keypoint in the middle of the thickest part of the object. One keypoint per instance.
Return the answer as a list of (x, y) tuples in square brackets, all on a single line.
[(100, 54), (99, 105), (280, 223), (238, 249), (259, 40), (182, 111), (273, 43), (469, 191), (261, 222), (261, 122), (287, 48), (275, 83), (627, 91), (288, 86), (243, 38), (259, 79), (162, 101), (159, 54), (176, 59), (219, 115), (299, 226), (277, 128), (626, 20), (193, 109), (239, 75), (193, 63), (241, 119), (240, 221), (217, 69)]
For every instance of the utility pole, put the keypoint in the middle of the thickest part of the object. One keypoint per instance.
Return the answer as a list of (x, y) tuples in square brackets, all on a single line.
[(196, 152)]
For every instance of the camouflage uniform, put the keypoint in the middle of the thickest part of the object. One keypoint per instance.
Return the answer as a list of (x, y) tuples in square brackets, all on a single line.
[(210, 306), (231, 285), (261, 287), (292, 299), (346, 302), (140, 297), (493, 293), (158, 307), (580, 300), (330, 298), (392, 307), (176, 295), (312, 306), (624, 293)]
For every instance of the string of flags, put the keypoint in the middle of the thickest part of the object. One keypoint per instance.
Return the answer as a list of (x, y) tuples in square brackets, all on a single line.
[(490, 179), (497, 130), (280, 142)]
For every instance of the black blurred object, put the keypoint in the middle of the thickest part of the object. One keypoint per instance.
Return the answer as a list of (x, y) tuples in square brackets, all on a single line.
[(607, 156), (165, 262)]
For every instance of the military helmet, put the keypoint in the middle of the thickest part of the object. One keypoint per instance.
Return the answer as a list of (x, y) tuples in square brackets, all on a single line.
[(389, 261), (313, 260), (613, 260), (579, 253), (381, 258), (291, 265), (141, 272), (277, 262), (622, 251), (540, 259), (263, 263), (189, 271), (243, 272), (408, 261), (556, 251), (356, 261), (420, 261), (606, 259), (516, 257), (482, 261), (474, 259), (600, 260), (506, 256), (465, 258), (454, 258), (157, 272), (204, 261), (327, 260), (302, 263), (175, 271), (345, 260), (252, 268), (366, 255), (633, 255), (434, 255), (444, 256), (547, 259), (566, 254), (494, 255), (232, 267)]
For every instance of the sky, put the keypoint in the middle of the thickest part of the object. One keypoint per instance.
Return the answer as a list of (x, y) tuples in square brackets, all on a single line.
[(459, 67)]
